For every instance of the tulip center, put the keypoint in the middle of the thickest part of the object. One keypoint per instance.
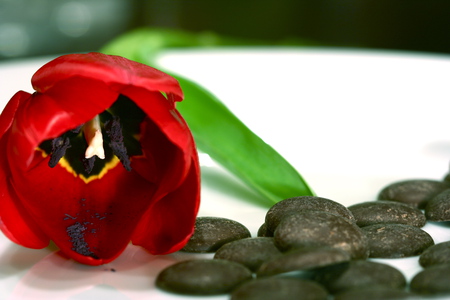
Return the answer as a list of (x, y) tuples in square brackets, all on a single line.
[(111, 136), (94, 138)]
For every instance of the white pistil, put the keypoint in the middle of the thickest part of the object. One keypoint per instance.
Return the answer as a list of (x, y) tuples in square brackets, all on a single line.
[(93, 135)]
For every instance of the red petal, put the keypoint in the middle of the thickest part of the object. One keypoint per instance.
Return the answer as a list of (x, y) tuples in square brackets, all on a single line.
[(44, 116), (8, 113), (171, 126), (15, 222), (79, 86), (163, 176), (165, 116), (168, 224), (14, 219), (108, 68), (82, 219)]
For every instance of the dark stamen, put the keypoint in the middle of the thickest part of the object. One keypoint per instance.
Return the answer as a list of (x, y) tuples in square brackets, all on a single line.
[(76, 233), (77, 129), (114, 132), (88, 164), (59, 147)]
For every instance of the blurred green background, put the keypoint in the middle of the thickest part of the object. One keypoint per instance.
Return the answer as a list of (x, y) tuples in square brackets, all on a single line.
[(43, 27)]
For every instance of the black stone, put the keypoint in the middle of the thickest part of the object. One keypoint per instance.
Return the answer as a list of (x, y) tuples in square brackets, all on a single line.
[(319, 228), (305, 259), (264, 232), (382, 212), (396, 240), (304, 203), (435, 255), (359, 273), (274, 288), (432, 281), (375, 293), (438, 208), (202, 277), (211, 233), (251, 252), (415, 192)]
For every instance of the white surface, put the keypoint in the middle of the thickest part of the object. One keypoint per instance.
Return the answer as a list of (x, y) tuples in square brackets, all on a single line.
[(350, 122)]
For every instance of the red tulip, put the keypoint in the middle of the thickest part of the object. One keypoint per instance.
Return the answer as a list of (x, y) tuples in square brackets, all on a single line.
[(97, 157)]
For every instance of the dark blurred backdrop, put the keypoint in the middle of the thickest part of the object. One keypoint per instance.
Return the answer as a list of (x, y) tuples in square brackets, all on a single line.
[(39, 27)]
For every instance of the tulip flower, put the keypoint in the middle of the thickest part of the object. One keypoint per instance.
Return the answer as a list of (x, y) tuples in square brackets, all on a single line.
[(97, 157)]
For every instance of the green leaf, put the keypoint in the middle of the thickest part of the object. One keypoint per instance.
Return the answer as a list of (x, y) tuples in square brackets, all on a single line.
[(217, 131), (228, 141)]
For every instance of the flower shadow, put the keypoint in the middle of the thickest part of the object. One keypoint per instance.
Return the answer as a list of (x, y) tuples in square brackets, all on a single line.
[(56, 277), (16, 259)]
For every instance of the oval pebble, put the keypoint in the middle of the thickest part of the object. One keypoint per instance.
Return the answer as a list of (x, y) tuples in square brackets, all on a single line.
[(435, 255), (432, 281), (273, 288), (381, 212), (319, 228), (359, 273), (251, 252), (415, 192), (263, 232), (375, 293), (304, 259), (396, 240), (202, 277), (304, 203), (211, 233), (438, 208)]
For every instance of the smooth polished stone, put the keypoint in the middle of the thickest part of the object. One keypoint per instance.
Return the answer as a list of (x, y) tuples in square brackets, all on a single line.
[(319, 228), (203, 277), (304, 259), (382, 212), (211, 233), (251, 252), (274, 288), (415, 192), (301, 204), (435, 255), (359, 273), (396, 240)]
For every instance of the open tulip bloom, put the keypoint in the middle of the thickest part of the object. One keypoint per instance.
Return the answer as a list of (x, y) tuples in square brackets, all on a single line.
[(97, 157)]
